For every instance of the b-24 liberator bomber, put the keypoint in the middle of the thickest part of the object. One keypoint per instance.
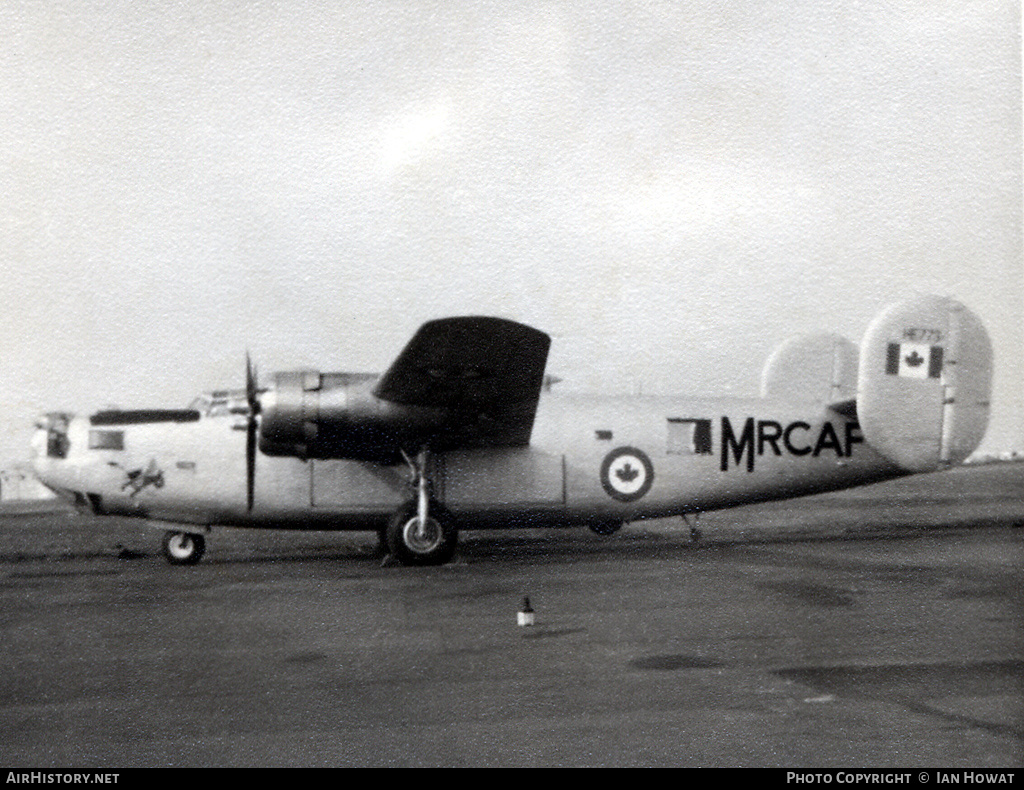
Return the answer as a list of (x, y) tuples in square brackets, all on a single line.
[(462, 433)]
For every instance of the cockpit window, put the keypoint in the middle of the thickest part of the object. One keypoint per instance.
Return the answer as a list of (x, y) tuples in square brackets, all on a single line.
[(142, 416), (57, 442), (57, 445), (106, 440)]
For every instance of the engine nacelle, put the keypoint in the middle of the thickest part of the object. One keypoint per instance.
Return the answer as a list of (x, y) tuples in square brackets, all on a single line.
[(308, 414)]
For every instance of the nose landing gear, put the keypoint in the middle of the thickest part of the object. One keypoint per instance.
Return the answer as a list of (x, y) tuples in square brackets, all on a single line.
[(183, 548), (695, 533)]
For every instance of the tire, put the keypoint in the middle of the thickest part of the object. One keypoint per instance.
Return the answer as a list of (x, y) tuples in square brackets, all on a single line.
[(435, 548), (183, 548)]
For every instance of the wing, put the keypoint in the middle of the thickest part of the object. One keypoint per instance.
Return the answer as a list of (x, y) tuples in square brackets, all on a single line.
[(485, 372)]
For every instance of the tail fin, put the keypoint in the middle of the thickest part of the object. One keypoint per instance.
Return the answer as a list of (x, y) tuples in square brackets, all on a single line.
[(924, 383), (819, 367)]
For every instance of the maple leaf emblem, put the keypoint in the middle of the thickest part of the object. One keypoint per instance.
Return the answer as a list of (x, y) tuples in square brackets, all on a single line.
[(914, 359), (627, 473)]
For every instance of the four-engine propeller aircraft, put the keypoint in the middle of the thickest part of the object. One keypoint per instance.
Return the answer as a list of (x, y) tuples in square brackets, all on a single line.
[(461, 431)]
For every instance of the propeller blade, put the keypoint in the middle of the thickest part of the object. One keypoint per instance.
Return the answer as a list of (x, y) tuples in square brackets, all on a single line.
[(250, 463), (251, 387), (251, 390)]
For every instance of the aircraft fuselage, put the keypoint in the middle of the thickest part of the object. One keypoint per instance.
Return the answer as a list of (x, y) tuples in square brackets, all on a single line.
[(607, 458)]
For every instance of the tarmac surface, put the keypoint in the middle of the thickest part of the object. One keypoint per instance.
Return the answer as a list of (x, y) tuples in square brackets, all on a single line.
[(881, 627)]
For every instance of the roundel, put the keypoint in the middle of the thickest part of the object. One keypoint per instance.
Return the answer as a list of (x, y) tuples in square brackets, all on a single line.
[(627, 474)]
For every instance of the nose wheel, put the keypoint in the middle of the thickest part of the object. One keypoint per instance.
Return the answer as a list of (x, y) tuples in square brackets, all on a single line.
[(183, 548)]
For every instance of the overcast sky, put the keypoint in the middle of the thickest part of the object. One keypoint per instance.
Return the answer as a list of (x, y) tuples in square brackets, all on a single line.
[(668, 189)]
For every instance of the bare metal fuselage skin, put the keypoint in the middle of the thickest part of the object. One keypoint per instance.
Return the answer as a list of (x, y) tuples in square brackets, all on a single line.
[(590, 459)]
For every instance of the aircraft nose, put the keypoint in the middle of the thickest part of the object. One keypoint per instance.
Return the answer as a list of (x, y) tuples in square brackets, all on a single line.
[(41, 437), (38, 443), (50, 440), (50, 445), (38, 453), (38, 460)]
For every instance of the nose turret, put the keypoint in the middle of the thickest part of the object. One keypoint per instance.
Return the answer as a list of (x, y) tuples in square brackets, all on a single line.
[(50, 446)]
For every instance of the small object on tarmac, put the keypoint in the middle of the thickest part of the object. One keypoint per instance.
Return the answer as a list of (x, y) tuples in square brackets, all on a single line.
[(526, 613)]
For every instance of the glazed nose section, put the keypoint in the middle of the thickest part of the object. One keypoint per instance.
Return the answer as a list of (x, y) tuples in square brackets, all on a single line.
[(50, 442), (38, 444)]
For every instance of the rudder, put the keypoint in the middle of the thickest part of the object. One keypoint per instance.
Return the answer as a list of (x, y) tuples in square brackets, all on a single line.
[(924, 383)]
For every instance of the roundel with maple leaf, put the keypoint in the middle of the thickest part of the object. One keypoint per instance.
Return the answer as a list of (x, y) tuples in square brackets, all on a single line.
[(627, 474)]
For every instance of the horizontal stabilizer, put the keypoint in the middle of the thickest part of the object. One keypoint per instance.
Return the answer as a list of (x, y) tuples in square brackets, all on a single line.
[(821, 367), (924, 383)]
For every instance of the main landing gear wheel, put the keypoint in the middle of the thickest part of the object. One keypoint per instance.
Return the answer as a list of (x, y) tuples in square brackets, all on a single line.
[(183, 548), (432, 544)]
